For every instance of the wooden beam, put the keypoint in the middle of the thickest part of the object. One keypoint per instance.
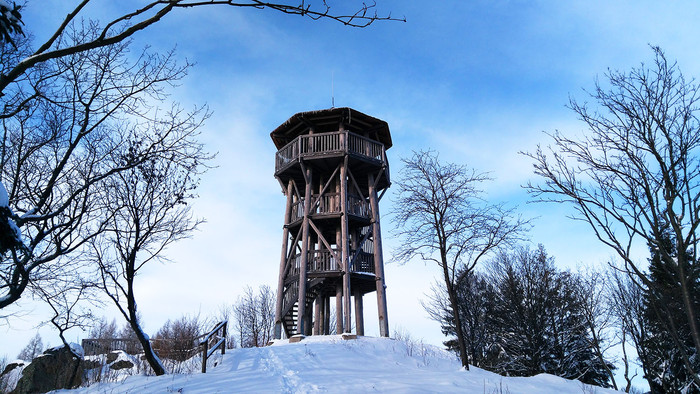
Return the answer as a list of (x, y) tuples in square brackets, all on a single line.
[(328, 182), (352, 178), (378, 260), (327, 315), (381, 195), (339, 308), (283, 264), (359, 314), (345, 247), (296, 190), (317, 316), (301, 306), (379, 176), (290, 256), (323, 239)]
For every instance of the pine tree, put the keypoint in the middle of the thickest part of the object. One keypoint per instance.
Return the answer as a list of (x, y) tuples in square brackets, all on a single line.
[(524, 318), (664, 311), (540, 320)]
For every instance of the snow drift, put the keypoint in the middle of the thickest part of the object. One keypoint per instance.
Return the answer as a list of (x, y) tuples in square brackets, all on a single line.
[(332, 364)]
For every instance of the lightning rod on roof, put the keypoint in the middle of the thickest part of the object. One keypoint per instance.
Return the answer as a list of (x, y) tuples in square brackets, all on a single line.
[(332, 89)]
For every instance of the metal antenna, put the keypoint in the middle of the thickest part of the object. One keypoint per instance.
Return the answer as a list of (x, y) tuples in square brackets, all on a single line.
[(332, 89)]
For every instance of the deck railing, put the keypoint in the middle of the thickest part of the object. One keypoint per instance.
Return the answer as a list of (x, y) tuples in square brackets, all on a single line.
[(326, 144), (330, 204), (326, 261), (359, 207), (364, 262)]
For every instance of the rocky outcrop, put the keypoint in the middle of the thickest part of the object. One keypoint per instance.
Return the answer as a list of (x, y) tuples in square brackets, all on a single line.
[(56, 368)]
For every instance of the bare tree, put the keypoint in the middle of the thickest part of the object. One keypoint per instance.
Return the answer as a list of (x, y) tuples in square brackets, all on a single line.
[(254, 316), (627, 304), (120, 27), (63, 107), (147, 210), (598, 315), (59, 151), (440, 216), (635, 179), (176, 339), (104, 329), (34, 348)]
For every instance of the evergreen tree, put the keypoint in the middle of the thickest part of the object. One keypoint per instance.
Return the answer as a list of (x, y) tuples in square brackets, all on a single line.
[(524, 318), (665, 317)]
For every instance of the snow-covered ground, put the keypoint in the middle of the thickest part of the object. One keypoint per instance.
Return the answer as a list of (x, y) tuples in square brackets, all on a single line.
[(332, 364)]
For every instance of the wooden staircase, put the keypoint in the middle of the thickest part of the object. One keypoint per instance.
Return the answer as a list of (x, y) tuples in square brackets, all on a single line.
[(290, 311)]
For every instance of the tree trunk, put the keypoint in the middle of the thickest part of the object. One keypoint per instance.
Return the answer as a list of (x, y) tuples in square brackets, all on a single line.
[(458, 321), (150, 355)]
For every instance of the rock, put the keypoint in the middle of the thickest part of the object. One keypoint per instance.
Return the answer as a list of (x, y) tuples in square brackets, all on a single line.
[(9, 367), (11, 374), (112, 356), (91, 364), (121, 364), (56, 368)]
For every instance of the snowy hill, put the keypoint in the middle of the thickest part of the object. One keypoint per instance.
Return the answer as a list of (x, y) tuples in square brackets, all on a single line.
[(332, 364)]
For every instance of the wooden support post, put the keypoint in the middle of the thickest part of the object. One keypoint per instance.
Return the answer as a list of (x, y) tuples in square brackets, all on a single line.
[(283, 263), (327, 316), (205, 352), (224, 336), (347, 322), (323, 316), (308, 324), (359, 314), (339, 308), (317, 316), (378, 259), (301, 306)]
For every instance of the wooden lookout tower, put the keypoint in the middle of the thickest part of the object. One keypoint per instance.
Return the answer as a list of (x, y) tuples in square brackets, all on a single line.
[(333, 170)]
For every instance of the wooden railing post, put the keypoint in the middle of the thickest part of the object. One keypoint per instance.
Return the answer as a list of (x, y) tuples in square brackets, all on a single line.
[(223, 347), (205, 352)]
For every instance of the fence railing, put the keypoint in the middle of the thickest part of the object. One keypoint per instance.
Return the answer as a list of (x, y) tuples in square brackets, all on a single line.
[(206, 343), (212, 341), (328, 143), (95, 346)]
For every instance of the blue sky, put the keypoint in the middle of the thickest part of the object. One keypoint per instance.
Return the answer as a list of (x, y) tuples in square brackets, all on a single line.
[(478, 81)]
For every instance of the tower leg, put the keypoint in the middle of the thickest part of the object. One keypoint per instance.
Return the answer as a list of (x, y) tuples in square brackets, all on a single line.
[(327, 316), (317, 316), (359, 314), (347, 306), (301, 310), (308, 324), (339, 309), (378, 259), (283, 265)]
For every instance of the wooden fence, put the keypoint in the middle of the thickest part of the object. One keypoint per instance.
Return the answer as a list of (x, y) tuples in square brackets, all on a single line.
[(212, 341), (207, 344)]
